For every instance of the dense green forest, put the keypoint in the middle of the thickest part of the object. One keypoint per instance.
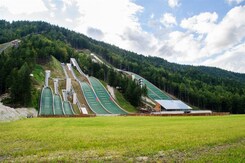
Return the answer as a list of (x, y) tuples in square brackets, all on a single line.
[(19, 62), (204, 87)]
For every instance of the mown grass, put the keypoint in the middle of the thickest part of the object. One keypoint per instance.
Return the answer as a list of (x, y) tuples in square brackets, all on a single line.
[(5, 45), (38, 74), (55, 67), (129, 139)]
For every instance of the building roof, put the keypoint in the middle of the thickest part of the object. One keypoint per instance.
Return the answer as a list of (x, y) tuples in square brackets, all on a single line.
[(173, 105)]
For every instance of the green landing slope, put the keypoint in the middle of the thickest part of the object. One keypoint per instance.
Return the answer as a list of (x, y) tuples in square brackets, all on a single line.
[(58, 109), (67, 108), (105, 98), (152, 91), (46, 107), (92, 100)]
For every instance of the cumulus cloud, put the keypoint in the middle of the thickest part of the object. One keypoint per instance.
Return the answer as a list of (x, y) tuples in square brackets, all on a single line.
[(168, 20), (95, 33), (111, 17), (25, 6), (62, 13), (142, 42), (234, 1), (185, 48), (204, 41), (233, 59), (229, 32), (202, 23), (62, 10), (173, 3)]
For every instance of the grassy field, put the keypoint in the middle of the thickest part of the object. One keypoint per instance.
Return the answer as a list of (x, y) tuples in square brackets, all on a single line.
[(124, 139)]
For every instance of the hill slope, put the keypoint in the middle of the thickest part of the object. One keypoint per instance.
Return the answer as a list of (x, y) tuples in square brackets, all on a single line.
[(204, 87)]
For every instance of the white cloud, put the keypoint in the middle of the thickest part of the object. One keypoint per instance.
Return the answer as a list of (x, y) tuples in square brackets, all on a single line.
[(62, 13), (184, 47), (168, 20), (140, 41), (67, 19), (202, 23), (233, 59), (173, 3), (229, 32), (95, 33), (23, 6), (208, 42), (234, 1), (152, 16), (111, 17)]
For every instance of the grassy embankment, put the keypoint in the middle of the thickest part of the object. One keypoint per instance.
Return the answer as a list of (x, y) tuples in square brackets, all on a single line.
[(5, 46), (39, 73), (121, 101), (124, 103), (39, 77), (190, 139)]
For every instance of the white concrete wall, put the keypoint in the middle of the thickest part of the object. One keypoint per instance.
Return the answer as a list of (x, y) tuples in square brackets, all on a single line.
[(56, 86), (69, 66), (74, 98), (68, 84), (47, 75)]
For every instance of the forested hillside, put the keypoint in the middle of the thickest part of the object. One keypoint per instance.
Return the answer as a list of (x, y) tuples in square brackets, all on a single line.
[(204, 87)]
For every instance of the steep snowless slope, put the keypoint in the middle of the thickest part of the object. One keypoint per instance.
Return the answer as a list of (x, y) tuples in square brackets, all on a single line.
[(203, 87)]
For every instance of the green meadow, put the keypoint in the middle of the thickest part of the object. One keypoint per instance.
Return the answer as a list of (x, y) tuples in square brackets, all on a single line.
[(124, 139)]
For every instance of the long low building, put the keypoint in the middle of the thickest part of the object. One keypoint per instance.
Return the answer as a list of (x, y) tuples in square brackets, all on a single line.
[(171, 105)]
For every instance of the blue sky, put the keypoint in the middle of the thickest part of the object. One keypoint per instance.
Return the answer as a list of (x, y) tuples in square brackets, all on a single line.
[(195, 32), (186, 9)]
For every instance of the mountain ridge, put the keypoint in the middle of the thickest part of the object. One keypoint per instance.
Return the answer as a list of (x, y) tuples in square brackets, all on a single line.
[(204, 87), (114, 47)]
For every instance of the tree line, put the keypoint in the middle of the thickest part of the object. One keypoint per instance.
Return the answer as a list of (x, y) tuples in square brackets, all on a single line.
[(130, 89), (204, 87), (17, 64)]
